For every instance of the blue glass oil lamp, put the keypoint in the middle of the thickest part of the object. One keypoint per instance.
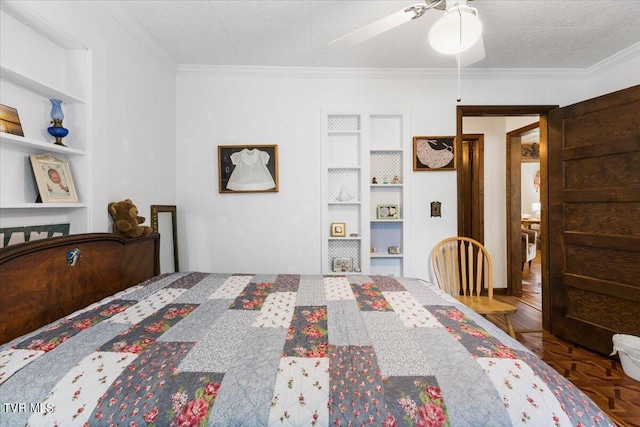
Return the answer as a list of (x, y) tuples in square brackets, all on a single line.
[(57, 131)]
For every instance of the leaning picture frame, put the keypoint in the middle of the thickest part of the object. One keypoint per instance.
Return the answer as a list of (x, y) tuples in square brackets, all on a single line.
[(10, 121), (434, 153), (247, 168), (53, 179)]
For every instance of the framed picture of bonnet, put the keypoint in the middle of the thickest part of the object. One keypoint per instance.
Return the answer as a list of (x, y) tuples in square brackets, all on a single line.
[(434, 153), (247, 168), (53, 179)]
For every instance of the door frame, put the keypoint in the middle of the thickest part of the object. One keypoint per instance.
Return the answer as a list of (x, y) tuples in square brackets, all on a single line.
[(514, 207), (471, 182), (512, 216)]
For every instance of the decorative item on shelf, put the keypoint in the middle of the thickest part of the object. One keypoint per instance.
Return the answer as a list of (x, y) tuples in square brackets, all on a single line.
[(57, 116), (338, 229), (395, 180), (53, 179), (372, 250), (385, 180), (343, 265), (353, 235), (387, 212), (10, 121), (344, 195), (394, 249), (436, 209), (374, 180)]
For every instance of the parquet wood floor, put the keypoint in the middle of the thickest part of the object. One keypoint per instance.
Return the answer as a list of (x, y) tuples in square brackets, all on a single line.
[(600, 377)]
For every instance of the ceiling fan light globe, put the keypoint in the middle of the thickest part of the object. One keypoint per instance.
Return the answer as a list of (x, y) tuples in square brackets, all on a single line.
[(446, 36)]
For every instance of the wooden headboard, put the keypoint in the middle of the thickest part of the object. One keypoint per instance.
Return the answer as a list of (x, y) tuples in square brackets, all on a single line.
[(38, 285)]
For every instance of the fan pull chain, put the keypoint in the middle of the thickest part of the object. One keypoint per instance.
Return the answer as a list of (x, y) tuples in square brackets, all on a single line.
[(459, 98)]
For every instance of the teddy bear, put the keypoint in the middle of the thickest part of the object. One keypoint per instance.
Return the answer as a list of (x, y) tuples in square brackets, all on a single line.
[(126, 222)]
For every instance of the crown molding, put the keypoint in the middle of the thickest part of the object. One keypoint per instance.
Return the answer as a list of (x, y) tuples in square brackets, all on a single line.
[(374, 73), (615, 60)]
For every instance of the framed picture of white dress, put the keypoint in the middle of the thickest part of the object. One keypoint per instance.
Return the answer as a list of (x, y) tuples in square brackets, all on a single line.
[(247, 168), (432, 153)]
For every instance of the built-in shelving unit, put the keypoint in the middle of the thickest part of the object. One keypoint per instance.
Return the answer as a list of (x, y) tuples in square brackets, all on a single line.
[(45, 64), (358, 147)]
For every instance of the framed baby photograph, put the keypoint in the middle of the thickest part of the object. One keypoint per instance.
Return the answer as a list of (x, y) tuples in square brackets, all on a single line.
[(53, 179), (247, 168)]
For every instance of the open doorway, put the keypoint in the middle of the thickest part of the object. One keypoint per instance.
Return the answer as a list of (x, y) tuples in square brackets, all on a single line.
[(511, 216), (523, 194)]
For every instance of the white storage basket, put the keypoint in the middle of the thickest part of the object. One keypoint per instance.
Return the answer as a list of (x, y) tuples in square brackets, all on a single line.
[(628, 348)]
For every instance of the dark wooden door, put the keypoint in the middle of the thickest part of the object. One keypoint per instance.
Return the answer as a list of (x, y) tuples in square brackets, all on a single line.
[(471, 183), (594, 219)]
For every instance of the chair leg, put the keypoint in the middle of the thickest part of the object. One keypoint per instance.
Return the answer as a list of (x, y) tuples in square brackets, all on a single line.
[(510, 329)]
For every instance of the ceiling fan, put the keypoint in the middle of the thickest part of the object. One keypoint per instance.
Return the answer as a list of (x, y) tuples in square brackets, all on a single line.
[(458, 32)]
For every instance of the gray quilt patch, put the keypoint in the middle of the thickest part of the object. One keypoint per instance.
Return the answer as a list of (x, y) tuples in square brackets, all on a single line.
[(246, 392), (33, 382), (388, 334), (215, 351), (151, 288), (345, 325), (190, 328), (202, 290), (423, 293), (311, 291), (470, 395)]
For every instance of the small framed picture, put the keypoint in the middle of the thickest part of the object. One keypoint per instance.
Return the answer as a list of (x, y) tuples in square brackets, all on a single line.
[(9, 121), (247, 168), (343, 265), (338, 229), (53, 178), (387, 212), (394, 249), (434, 153)]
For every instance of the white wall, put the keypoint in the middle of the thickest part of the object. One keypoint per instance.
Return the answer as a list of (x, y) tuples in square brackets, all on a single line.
[(280, 232), (529, 194), (133, 114)]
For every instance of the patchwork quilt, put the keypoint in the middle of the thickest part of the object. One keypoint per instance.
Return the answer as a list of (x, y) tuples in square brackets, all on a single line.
[(198, 349)]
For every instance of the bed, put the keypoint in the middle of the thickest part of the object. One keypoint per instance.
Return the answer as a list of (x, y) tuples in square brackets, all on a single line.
[(197, 348)]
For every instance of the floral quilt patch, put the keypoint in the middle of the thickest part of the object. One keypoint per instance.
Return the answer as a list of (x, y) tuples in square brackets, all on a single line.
[(188, 281), (307, 336), (138, 337), (286, 283), (369, 297), (414, 401), (190, 397), (356, 386), (252, 297), (56, 334), (473, 337), (135, 394)]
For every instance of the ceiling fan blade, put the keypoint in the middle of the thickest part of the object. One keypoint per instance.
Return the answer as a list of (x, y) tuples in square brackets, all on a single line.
[(472, 55), (378, 27)]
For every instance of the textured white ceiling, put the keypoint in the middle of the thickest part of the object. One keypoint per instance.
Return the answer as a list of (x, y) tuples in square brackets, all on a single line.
[(517, 33)]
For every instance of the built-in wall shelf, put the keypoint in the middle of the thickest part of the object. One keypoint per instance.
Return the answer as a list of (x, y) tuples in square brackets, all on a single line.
[(358, 147), (7, 138), (45, 64), (43, 205), (37, 86)]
